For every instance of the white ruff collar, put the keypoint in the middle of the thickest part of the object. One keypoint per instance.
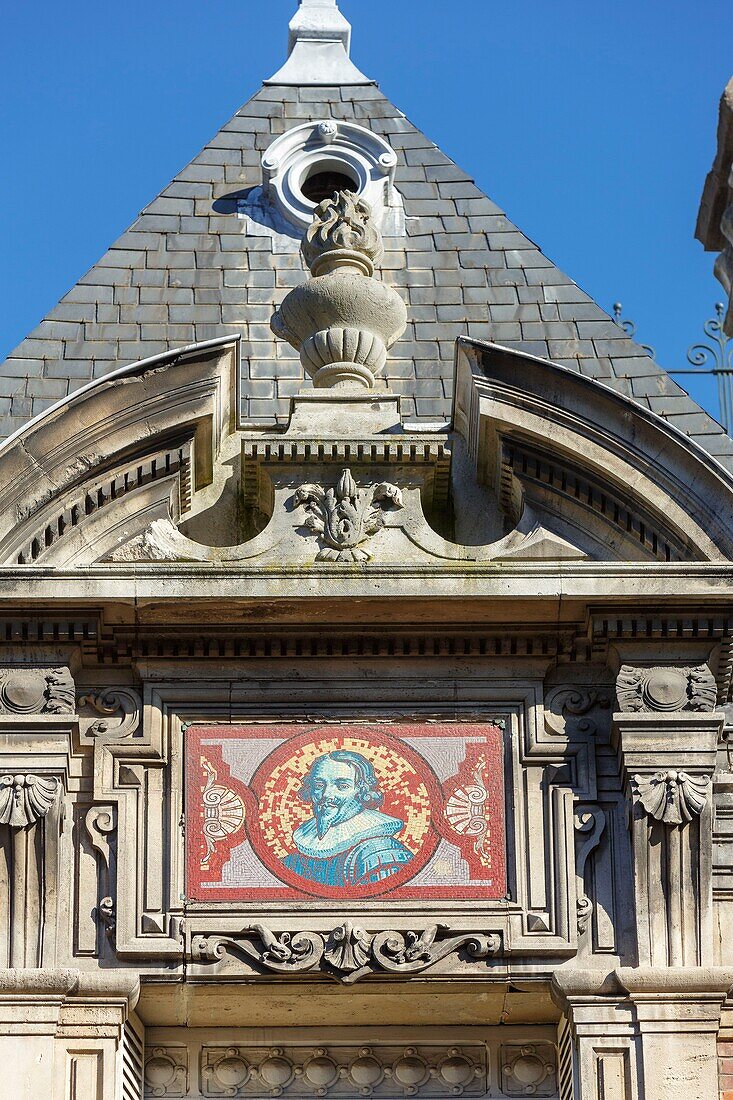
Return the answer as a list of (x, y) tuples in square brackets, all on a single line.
[(339, 838)]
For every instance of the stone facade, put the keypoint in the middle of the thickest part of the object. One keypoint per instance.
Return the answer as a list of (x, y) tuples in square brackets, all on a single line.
[(714, 229), (350, 753)]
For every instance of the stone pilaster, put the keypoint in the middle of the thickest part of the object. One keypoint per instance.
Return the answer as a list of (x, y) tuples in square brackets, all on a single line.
[(37, 725), (666, 735), (61, 1032), (641, 1033)]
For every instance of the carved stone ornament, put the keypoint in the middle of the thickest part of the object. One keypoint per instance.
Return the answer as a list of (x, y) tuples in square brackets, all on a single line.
[(25, 799), (346, 953), (590, 822), (36, 691), (666, 689), (118, 711), (529, 1070), (344, 516), (166, 1071), (344, 1069), (342, 321), (672, 797)]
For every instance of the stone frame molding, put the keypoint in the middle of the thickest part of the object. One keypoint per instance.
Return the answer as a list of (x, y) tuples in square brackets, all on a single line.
[(536, 917)]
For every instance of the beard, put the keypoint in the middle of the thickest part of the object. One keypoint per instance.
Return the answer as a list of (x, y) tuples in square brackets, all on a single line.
[(329, 812)]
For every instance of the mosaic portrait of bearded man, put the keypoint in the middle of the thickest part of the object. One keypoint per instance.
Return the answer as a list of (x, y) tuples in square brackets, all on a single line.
[(347, 841)]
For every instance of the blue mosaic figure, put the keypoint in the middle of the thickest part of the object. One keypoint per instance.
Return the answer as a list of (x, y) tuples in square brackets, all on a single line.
[(347, 842)]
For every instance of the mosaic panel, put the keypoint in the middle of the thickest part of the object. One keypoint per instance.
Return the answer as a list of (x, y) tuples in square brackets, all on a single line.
[(348, 811)]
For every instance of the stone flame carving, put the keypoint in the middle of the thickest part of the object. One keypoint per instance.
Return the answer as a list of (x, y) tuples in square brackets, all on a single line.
[(672, 797), (25, 799), (342, 233), (344, 516), (342, 321), (666, 689)]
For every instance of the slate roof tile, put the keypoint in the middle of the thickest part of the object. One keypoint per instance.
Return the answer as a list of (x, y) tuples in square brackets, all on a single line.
[(187, 269)]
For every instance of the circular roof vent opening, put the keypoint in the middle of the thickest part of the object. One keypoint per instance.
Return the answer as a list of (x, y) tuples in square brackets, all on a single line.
[(322, 184)]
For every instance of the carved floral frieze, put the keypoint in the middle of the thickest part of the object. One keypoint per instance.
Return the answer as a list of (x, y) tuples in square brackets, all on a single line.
[(673, 797), (344, 516), (25, 799), (347, 953), (666, 689), (36, 691)]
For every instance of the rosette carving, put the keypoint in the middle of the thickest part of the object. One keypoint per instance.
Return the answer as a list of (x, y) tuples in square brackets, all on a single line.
[(672, 797), (342, 321)]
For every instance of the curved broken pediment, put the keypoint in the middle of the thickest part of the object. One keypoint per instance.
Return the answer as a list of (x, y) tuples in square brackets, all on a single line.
[(95, 470), (146, 464), (598, 469)]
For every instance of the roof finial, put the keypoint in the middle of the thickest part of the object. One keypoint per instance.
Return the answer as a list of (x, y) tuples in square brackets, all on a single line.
[(318, 47)]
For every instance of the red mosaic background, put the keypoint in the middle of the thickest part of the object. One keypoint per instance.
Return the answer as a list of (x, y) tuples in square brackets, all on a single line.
[(443, 782)]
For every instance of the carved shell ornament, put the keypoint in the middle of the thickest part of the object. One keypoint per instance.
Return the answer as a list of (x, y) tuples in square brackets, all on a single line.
[(344, 516), (25, 799), (672, 797)]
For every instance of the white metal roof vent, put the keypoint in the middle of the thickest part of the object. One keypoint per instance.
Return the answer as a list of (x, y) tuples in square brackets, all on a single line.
[(311, 162)]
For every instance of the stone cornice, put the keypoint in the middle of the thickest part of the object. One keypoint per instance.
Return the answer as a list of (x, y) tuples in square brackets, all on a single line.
[(571, 985), (65, 983)]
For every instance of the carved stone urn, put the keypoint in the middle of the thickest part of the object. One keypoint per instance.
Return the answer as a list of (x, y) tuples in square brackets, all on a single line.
[(342, 321)]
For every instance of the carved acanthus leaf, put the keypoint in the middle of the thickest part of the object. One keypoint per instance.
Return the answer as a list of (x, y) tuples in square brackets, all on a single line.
[(347, 952), (666, 689), (672, 797), (345, 516), (25, 799)]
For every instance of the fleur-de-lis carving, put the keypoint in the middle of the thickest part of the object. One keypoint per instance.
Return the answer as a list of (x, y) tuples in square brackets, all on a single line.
[(344, 516)]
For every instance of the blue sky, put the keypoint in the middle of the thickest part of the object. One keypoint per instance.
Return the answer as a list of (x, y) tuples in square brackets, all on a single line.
[(593, 125)]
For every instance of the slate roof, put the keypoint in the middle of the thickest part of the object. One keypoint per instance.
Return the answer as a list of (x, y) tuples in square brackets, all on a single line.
[(186, 271)]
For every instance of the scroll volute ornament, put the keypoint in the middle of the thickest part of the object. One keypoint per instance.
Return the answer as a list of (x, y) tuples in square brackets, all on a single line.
[(343, 320)]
